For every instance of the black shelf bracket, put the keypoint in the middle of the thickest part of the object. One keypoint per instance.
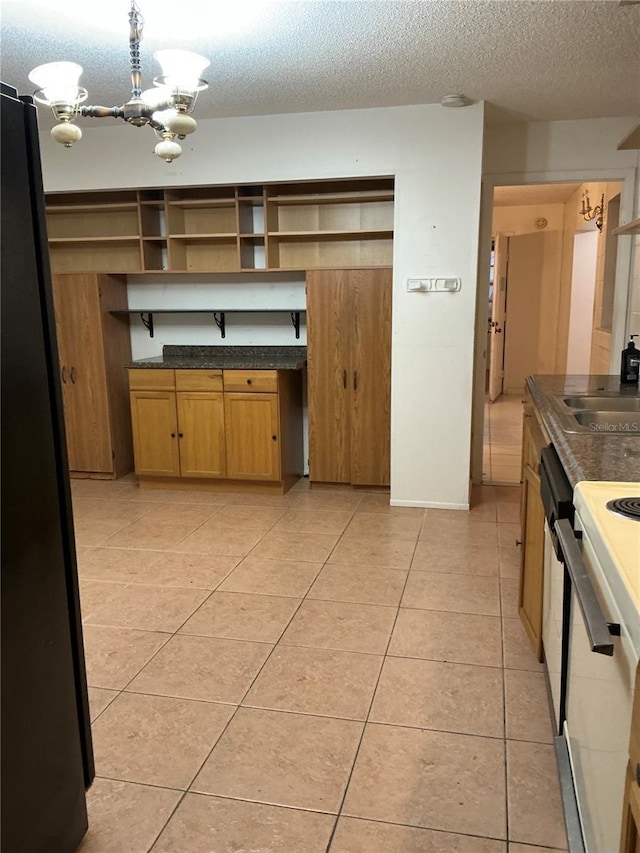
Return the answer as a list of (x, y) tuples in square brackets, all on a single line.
[(148, 323), (218, 316), (295, 319)]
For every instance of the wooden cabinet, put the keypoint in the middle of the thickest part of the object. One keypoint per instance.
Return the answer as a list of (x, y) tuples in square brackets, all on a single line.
[(349, 364), (93, 346), (201, 430), (178, 423), (232, 425), (630, 838), (532, 528), (251, 422), (155, 433), (224, 228)]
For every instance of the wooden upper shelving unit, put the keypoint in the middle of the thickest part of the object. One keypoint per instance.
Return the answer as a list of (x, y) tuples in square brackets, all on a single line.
[(240, 228)]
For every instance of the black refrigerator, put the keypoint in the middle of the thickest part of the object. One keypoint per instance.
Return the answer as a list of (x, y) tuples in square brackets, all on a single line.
[(47, 758)]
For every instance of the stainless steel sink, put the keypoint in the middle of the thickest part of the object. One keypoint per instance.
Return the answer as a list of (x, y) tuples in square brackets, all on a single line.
[(598, 403), (626, 423)]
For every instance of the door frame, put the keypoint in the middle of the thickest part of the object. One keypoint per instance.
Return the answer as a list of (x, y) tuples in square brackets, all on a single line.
[(623, 290), (498, 314)]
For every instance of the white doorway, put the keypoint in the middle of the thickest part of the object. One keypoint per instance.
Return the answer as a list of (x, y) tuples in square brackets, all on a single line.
[(547, 279)]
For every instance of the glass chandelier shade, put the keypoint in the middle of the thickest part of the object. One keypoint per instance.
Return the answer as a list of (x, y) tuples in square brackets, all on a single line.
[(166, 108), (59, 87)]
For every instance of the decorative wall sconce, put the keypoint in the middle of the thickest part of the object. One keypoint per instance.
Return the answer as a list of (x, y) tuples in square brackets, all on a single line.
[(588, 213)]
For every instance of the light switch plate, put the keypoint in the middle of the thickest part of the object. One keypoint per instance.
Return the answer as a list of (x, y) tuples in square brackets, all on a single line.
[(417, 284), (446, 285)]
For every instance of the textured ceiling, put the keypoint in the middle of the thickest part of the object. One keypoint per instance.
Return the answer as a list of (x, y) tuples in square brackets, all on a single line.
[(533, 194), (538, 60)]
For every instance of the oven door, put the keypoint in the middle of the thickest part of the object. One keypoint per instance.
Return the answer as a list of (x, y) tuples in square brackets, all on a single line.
[(599, 694), (553, 624), (557, 500)]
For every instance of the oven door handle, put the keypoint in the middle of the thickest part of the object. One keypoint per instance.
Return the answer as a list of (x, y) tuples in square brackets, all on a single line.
[(596, 625)]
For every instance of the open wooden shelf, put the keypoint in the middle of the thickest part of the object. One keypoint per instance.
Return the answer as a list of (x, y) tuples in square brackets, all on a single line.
[(240, 228)]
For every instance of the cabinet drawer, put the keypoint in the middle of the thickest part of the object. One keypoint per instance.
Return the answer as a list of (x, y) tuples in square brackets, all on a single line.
[(251, 380), (198, 380), (152, 380)]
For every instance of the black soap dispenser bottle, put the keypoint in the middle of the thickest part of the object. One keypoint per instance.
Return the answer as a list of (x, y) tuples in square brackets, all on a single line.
[(630, 364)]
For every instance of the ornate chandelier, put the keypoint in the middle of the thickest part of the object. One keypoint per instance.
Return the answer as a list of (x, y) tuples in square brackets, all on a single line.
[(166, 108)]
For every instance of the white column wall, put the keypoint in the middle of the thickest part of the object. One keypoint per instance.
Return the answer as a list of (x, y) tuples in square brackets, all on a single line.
[(435, 155)]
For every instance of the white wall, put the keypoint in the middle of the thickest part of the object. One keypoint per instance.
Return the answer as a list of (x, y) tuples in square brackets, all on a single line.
[(207, 292), (583, 286), (435, 155), (633, 326)]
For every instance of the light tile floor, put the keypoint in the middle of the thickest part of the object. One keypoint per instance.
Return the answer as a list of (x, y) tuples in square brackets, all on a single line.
[(308, 673), (502, 451)]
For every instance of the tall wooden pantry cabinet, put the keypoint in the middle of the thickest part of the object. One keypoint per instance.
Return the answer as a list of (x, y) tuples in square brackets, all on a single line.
[(93, 346), (349, 375)]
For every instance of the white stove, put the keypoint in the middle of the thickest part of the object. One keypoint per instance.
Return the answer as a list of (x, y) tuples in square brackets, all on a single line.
[(615, 541), (599, 683)]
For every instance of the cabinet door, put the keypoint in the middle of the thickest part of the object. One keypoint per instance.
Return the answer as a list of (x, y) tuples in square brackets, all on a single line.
[(155, 433), (329, 375), (201, 434), (81, 349), (371, 377), (630, 840), (532, 569), (252, 436)]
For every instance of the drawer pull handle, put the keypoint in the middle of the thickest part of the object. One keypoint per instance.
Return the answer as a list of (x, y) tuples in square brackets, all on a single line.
[(64, 375), (173, 435), (274, 437), (344, 378), (355, 380), (248, 382), (180, 435), (73, 375)]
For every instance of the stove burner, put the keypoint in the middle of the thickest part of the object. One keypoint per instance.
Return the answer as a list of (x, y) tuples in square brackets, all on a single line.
[(627, 507)]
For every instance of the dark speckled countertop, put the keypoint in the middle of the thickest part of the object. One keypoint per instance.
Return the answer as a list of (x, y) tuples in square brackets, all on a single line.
[(587, 455), (230, 358)]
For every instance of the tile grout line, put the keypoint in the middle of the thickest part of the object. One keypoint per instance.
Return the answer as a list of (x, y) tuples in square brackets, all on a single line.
[(239, 705), (233, 715), (504, 721), (373, 696)]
